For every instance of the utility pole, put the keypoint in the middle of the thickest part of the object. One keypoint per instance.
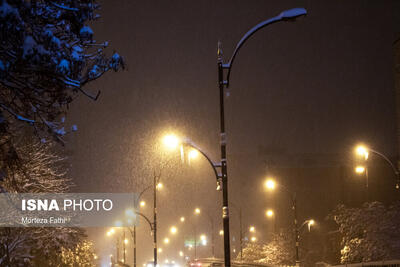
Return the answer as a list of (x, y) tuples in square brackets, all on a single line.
[(224, 170)]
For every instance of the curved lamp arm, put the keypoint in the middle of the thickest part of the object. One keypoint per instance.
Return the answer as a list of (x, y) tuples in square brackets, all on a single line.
[(396, 172), (304, 223), (214, 166), (144, 190), (285, 15), (147, 219)]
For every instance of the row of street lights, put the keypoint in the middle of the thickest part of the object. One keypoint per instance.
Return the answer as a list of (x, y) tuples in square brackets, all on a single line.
[(173, 142), (269, 184)]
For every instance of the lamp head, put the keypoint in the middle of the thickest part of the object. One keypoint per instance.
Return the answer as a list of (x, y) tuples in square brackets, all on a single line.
[(171, 141), (193, 153), (197, 211), (362, 151), (359, 169), (293, 13), (173, 230), (269, 213), (270, 184)]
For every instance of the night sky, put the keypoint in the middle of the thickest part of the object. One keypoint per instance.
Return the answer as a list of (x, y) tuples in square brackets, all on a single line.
[(317, 86)]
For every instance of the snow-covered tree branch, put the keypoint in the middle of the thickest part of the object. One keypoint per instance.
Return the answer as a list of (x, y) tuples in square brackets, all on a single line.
[(47, 55)]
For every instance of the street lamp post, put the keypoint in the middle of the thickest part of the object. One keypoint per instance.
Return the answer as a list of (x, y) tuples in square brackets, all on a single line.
[(134, 227), (124, 246), (133, 233), (153, 226), (364, 151), (222, 83)]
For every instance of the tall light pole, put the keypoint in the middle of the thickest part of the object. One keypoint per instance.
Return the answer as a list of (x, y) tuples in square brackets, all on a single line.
[(141, 203), (156, 180), (222, 84), (156, 185), (133, 233)]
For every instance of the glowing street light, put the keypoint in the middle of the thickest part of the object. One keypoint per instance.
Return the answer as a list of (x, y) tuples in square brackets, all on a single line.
[(159, 250), (253, 239), (142, 203), (166, 240), (362, 151), (193, 153), (111, 232), (221, 232), (203, 239), (269, 213), (159, 186), (359, 169), (252, 229), (182, 219), (181, 253), (197, 211), (171, 141), (173, 230), (125, 241), (270, 184)]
